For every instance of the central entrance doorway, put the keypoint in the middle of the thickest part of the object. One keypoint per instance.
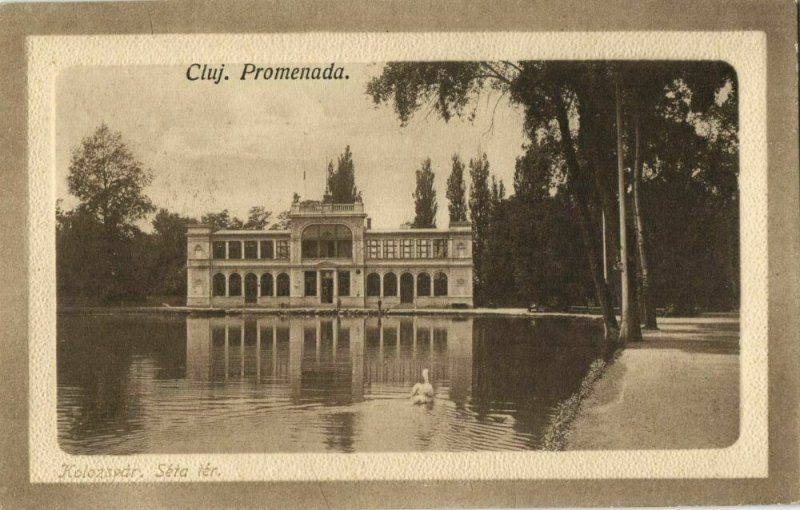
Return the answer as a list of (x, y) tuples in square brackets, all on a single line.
[(326, 285), (407, 288), (250, 288)]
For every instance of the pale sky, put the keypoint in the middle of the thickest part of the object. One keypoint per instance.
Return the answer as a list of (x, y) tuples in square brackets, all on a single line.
[(244, 143)]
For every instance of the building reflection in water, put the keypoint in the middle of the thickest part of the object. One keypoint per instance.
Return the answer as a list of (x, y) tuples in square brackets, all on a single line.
[(332, 361), (131, 384)]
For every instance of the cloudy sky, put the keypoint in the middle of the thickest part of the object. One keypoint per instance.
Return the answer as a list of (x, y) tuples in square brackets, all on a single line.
[(245, 143)]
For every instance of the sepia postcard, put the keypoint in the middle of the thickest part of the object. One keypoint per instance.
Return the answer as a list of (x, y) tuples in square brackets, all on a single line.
[(324, 259)]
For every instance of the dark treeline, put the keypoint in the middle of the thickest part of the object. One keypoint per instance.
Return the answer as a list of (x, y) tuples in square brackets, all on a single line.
[(97, 266), (653, 142), (528, 248), (524, 249)]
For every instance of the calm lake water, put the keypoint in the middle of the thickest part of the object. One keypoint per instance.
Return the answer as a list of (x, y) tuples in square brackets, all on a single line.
[(163, 384)]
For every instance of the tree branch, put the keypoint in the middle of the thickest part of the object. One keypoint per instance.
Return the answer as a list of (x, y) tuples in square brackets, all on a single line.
[(495, 73), (512, 64), (494, 111)]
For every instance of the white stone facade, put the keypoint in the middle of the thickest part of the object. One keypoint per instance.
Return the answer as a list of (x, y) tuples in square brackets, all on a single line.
[(328, 258)]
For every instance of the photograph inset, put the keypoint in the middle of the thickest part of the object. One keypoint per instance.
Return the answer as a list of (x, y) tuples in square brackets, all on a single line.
[(409, 256)]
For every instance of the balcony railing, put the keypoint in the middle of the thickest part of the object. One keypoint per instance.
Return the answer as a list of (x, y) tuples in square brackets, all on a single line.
[(323, 208)]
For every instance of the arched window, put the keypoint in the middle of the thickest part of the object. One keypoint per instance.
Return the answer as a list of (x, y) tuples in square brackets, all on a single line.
[(423, 284), (266, 285), (407, 288), (235, 284), (389, 284), (218, 289), (282, 284), (440, 284), (250, 288), (373, 285), (327, 241)]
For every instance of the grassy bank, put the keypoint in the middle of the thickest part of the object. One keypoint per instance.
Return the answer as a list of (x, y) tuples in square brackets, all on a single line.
[(555, 438)]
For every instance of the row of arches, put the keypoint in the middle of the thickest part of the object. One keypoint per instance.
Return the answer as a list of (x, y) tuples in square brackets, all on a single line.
[(386, 285), (232, 285), (390, 287)]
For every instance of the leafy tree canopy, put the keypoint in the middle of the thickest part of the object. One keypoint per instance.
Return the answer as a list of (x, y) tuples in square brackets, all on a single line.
[(222, 221), (569, 118), (282, 221), (257, 218), (108, 180)]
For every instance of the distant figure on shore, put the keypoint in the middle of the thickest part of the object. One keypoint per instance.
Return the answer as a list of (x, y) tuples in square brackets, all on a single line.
[(422, 393)]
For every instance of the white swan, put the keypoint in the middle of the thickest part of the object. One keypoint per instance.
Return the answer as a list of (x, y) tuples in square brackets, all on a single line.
[(422, 393)]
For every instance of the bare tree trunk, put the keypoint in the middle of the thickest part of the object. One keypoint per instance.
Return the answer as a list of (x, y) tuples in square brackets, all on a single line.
[(634, 310), (629, 330), (592, 143), (588, 143), (588, 236), (578, 190), (647, 310)]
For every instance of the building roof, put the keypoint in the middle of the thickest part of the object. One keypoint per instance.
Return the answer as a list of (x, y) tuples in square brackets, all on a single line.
[(419, 231), (246, 232), (381, 231)]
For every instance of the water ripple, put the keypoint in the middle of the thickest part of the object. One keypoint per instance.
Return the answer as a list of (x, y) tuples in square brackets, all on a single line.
[(175, 386)]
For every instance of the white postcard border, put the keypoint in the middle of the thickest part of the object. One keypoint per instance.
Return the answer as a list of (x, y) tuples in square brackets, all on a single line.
[(745, 51)]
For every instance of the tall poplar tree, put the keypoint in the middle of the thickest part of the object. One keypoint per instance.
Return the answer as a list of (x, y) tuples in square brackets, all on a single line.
[(480, 208), (425, 205), (341, 183), (456, 191), (499, 279)]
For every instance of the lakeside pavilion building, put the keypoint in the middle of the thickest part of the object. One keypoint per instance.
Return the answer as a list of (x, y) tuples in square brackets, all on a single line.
[(330, 256)]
